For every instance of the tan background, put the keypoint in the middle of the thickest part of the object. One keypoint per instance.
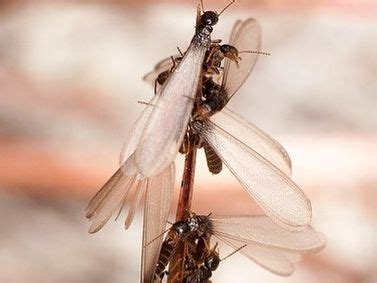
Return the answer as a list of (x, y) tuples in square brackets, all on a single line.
[(70, 76)]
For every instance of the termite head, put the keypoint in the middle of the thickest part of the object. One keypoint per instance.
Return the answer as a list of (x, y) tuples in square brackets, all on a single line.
[(180, 227), (209, 18), (229, 52), (199, 224), (212, 261), (204, 225), (162, 77)]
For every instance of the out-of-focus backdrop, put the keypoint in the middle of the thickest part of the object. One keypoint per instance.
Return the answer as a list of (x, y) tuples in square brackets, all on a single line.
[(70, 79)]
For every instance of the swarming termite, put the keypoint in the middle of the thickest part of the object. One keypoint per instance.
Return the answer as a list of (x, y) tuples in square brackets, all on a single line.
[(256, 237), (258, 161), (147, 159)]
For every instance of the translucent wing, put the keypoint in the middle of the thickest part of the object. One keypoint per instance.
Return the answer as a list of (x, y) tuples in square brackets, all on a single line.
[(166, 126), (276, 261), (233, 33), (117, 191), (271, 188), (134, 201), (261, 231), (162, 66), (254, 138), (157, 205), (246, 36), (134, 136)]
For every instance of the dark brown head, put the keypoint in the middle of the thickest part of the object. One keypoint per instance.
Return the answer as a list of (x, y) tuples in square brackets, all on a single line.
[(208, 18), (229, 51), (212, 261)]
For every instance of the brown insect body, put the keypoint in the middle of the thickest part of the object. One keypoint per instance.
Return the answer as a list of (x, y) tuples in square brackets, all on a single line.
[(216, 54), (212, 62), (211, 99), (200, 265), (188, 232), (214, 163)]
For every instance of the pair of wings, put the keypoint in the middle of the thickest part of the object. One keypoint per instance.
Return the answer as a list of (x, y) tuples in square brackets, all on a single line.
[(246, 37), (147, 158), (258, 161), (267, 244)]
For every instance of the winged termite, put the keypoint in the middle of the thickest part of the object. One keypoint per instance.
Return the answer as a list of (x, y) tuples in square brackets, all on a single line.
[(212, 99), (147, 158), (256, 237), (143, 155), (258, 161), (188, 231)]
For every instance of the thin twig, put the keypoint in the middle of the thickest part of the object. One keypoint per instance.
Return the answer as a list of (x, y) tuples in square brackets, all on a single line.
[(176, 268)]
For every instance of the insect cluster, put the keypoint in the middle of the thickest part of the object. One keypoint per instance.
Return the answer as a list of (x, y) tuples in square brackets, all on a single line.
[(188, 112)]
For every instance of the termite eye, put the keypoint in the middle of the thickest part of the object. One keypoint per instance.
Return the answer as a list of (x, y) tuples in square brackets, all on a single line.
[(225, 48), (209, 18), (212, 263)]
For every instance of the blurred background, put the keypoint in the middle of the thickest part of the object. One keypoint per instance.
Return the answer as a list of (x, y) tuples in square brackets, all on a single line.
[(70, 79)]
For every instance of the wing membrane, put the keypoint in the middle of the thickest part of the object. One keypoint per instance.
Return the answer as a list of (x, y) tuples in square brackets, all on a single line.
[(273, 190), (156, 211), (134, 136), (254, 138), (261, 231), (246, 36), (166, 126), (162, 66), (275, 261)]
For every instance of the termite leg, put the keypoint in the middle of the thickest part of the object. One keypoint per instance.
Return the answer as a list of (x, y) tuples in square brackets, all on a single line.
[(180, 52), (216, 41)]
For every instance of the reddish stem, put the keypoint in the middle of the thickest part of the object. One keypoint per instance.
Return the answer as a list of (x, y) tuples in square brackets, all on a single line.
[(185, 195), (184, 205)]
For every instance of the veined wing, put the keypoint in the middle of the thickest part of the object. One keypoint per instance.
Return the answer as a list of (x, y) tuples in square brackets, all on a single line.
[(261, 231), (156, 211), (134, 136), (271, 188), (254, 138), (113, 195), (233, 33), (246, 36), (166, 126), (276, 261)]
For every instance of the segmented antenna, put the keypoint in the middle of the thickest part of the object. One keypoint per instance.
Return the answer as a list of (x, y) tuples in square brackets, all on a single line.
[(145, 103), (180, 52), (151, 241), (226, 7), (232, 253), (256, 52)]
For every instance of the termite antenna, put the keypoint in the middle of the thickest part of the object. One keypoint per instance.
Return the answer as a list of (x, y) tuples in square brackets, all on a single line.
[(151, 241), (232, 253), (145, 103), (226, 7), (169, 222), (180, 52), (256, 52)]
